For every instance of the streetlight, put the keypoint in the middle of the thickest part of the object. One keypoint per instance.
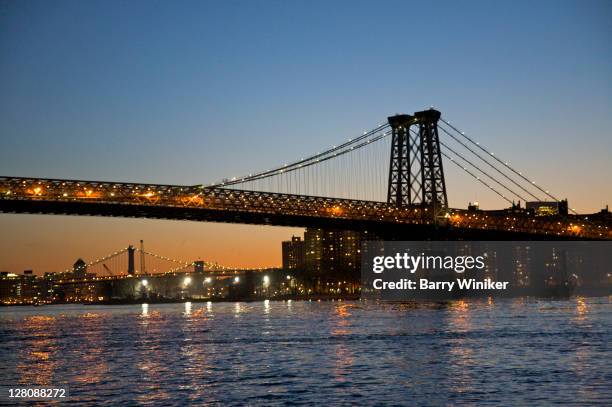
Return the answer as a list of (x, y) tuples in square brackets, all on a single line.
[(266, 280), (143, 288), (236, 280), (207, 280), (187, 281)]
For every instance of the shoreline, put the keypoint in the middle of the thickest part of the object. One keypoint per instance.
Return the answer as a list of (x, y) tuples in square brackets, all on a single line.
[(306, 299)]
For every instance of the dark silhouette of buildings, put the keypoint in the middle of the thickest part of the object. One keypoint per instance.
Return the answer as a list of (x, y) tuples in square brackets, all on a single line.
[(198, 266), (79, 269), (548, 208), (333, 254), (293, 254)]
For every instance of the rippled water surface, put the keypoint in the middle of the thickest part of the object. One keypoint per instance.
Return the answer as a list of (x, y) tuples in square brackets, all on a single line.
[(504, 352)]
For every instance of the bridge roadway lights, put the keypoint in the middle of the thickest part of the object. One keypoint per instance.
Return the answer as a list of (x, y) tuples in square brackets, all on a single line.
[(500, 225)]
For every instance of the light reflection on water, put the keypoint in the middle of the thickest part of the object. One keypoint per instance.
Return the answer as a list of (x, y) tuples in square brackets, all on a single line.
[(509, 352)]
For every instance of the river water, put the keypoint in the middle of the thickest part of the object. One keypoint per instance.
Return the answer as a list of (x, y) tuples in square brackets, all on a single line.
[(508, 352)]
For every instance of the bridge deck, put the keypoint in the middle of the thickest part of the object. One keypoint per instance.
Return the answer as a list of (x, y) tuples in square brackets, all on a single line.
[(197, 203)]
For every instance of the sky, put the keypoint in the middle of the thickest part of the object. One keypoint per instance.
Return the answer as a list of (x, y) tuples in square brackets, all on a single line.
[(192, 92)]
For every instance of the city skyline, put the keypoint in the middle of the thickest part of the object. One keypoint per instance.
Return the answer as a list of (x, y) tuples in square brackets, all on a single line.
[(72, 112)]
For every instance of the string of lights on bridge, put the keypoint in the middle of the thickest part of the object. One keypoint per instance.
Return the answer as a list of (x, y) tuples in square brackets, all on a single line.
[(98, 261), (290, 182), (347, 181), (349, 177), (115, 270)]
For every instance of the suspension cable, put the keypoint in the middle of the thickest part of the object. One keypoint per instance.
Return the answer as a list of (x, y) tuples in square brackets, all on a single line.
[(301, 163), (101, 259), (482, 171), (520, 174), (286, 170), (476, 177), (414, 133), (488, 163), (183, 264)]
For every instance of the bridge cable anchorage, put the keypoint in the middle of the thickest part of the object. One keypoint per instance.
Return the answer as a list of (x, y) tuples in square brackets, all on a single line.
[(482, 171), (489, 164), (476, 177), (300, 163), (520, 174)]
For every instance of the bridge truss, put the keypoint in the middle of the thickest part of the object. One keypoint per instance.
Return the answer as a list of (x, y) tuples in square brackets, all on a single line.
[(34, 195)]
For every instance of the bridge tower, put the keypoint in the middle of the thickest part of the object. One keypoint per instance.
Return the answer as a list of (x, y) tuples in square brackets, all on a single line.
[(142, 258), (131, 269), (416, 176), (403, 182)]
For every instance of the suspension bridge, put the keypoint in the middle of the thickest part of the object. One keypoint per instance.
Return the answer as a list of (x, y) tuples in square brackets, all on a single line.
[(387, 182), (132, 272), (136, 261)]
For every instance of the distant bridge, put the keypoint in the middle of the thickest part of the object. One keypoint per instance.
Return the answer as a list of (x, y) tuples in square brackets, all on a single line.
[(136, 261)]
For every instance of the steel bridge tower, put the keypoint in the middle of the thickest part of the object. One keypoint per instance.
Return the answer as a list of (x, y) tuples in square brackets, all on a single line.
[(131, 269), (416, 176)]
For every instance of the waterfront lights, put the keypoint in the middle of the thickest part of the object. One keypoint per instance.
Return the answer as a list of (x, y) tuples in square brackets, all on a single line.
[(187, 281), (236, 280), (266, 280), (288, 277), (144, 283), (207, 280)]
